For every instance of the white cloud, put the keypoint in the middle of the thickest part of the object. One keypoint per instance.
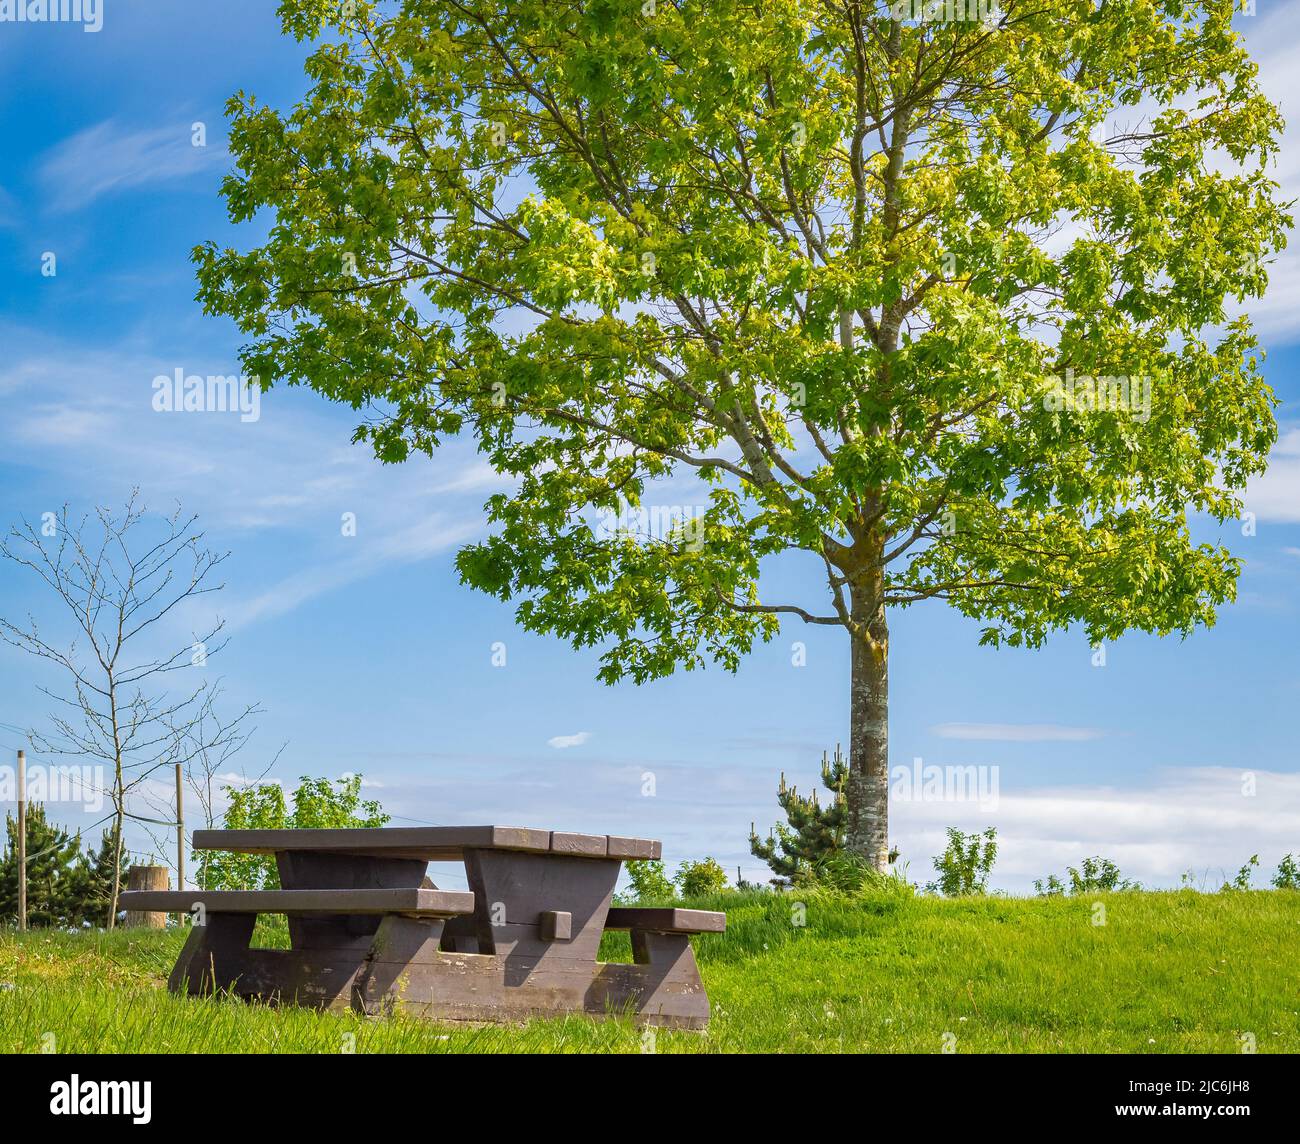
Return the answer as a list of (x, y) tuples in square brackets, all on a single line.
[(561, 742), (1017, 732), (425, 538), (1275, 496), (85, 419), (62, 424), (1179, 819), (1189, 818), (1271, 40), (109, 157)]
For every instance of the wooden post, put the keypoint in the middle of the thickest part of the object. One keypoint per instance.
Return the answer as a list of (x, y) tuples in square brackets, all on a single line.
[(147, 878), (22, 841), (180, 830)]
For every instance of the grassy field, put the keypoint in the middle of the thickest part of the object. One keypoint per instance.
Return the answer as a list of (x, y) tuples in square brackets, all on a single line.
[(1167, 973)]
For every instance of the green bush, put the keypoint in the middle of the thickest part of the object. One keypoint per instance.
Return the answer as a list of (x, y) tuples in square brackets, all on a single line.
[(1092, 875), (701, 879), (66, 885), (842, 874), (649, 883), (1288, 874), (1242, 879), (964, 867), (317, 803)]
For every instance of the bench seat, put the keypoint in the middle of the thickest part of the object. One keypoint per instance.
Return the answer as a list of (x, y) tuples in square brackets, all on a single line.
[(655, 919), (411, 901)]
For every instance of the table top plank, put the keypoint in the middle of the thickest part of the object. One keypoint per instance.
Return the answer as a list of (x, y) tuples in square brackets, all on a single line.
[(385, 900), (638, 849), (430, 843), (580, 845)]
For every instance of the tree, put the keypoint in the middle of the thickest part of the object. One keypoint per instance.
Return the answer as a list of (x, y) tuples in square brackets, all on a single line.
[(95, 881), (51, 857), (935, 307), (813, 831), (649, 882), (317, 804), (966, 863), (117, 576), (704, 878)]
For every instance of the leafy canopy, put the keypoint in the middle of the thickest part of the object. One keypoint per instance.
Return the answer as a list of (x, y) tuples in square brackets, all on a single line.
[(832, 266)]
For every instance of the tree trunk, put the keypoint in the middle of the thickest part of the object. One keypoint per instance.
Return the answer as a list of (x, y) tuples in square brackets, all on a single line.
[(117, 872), (867, 791)]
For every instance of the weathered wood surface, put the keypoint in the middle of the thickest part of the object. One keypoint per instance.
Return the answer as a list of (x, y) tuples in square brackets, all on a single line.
[(144, 878), (512, 891), (402, 970), (402, 900), (665, 920), (427, 843), (481, 987), (369, 931), (303, 870)]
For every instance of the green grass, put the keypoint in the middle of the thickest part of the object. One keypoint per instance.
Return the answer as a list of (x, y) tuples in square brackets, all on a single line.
[(1168, 973)]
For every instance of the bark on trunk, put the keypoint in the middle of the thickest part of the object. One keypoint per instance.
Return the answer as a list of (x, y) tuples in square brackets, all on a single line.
[(867, 833)]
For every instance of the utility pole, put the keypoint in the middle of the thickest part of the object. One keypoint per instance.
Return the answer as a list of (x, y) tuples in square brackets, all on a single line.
[(22, 841), (180, 830)]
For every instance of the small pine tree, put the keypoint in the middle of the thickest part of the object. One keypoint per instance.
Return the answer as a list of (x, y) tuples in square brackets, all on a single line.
[(90, 891), (51, 859), (813, 830)]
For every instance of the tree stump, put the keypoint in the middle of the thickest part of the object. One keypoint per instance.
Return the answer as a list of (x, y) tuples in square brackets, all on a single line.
[(147, 878)]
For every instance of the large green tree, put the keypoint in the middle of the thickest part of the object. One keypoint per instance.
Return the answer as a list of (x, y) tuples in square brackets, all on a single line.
[(938, 302)]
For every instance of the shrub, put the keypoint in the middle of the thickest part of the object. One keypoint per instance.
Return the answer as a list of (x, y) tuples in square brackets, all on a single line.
[(1242, 880), (964, 867), (1288, 874), (1091, 876), (851, 875), (316, 803), (649, 883), (701, 879)]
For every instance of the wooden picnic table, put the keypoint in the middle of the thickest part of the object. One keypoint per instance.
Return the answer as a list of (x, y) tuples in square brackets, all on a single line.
[(370, 931)]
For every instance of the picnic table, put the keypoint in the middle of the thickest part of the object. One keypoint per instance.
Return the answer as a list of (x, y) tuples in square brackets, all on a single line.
[(369, 930)]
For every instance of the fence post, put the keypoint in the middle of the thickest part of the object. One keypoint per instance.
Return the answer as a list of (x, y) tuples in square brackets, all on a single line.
[(180, 831), (146, 878), (22, 840)]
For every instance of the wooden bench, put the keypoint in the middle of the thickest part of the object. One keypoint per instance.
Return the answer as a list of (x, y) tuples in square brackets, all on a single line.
[(343, 935), (369, 931), (665, 920), (661, 946)]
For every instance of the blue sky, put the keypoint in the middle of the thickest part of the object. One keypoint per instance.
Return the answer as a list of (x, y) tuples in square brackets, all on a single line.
[(369, 657)]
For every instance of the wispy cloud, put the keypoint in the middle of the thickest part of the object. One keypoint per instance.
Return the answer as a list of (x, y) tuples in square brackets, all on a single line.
[(562, 742), (1271, 40), (109, 157), (1275, 496), (1017, 732), (421, 540), (86, 418)]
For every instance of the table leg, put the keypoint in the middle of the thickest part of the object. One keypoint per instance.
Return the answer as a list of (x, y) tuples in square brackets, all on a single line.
[(214, 955), (512, 889)]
